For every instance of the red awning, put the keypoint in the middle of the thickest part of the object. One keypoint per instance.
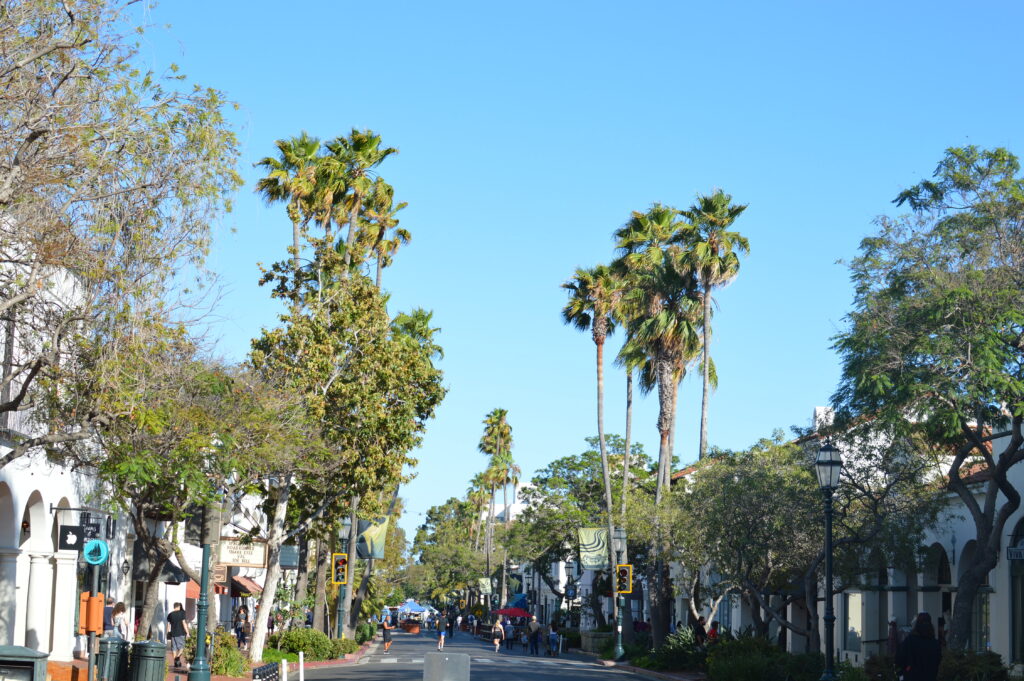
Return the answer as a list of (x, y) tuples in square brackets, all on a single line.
[(192, 590), (244, 585)]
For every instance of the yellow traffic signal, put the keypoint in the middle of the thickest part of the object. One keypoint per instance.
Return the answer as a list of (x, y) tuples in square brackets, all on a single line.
[(624, 578), (339, 568)]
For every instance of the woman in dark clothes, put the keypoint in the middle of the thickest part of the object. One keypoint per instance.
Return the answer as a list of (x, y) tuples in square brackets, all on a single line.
[(919, 654)]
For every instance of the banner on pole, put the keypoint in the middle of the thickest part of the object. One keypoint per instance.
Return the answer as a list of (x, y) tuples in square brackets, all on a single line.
[(594, 548), (485, 586), (372, 537)]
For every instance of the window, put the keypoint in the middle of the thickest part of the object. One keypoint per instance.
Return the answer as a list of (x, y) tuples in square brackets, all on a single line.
[(725, 614), (854, 623)]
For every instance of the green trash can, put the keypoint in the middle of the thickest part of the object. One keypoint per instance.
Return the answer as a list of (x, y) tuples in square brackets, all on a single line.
[(116, 669), (149, 661)]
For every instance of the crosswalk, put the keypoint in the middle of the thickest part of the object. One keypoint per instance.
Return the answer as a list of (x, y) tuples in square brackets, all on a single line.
[(399, 659)]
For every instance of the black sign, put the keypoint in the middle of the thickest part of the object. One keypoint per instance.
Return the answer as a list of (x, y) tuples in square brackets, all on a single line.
[(91, 530), (570, 592), (70, 538)]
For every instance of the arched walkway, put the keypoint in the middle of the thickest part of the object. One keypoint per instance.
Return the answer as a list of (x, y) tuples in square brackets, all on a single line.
[(937, 582), (8, 565), (37, 542)]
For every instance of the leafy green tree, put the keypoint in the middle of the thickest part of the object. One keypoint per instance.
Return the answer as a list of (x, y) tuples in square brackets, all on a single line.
[(443, 548), (593, 297), (712, 252), (934, 345)]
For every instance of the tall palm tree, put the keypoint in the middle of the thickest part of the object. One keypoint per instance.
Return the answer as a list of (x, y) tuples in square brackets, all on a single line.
[(360, 154), (291, 177), (382, 234), (476, 494), (593, 296), (497, 444), (713, 255)]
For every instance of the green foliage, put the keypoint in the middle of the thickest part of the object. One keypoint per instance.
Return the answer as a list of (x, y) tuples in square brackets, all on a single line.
[(847, 671), (679, 652), (572, 637), (227, 659), (365, 631), (881, 668), (272, 654), (343, 646), (753, 658), (972, 666), (313, 643)]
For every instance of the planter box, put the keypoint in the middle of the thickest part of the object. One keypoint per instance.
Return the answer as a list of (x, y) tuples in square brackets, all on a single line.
[(593, 641)]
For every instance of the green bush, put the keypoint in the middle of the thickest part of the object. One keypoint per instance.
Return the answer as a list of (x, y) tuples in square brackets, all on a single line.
[(313, 643), (227, 659), (572, 638), (848, 672), (275, 655), (680, 652), (972, 666), (343, 646), (365, 631), (273, 639), (881, 668), (751, 658)]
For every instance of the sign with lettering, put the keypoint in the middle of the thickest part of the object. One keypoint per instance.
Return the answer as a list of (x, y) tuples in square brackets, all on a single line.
[(233, 551), (1015, 552), (220, 573)]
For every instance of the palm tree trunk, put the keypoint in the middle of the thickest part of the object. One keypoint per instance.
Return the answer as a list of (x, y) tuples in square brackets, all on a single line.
[(606, 474), (707, 375), (380, 270), (350, 238), (489, 539), (504, 550), (627, 615)]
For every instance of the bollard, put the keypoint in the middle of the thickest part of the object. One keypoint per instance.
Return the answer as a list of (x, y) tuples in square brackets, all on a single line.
[(446, 667), (302, 666), (284, 670)]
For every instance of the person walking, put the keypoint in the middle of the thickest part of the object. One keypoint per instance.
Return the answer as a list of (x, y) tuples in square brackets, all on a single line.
[(119, 619), (510, 632), (919, 655), (458, 625), (386, 624), (442, 630), (108, 617), (533, 629), (700, 634), (177, 631), (713, 632), (241, 626), (497, 634), (553, 639)]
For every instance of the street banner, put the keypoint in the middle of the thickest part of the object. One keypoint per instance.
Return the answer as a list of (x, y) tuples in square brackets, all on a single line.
[(485, 586), (594, 548), (372, 537)]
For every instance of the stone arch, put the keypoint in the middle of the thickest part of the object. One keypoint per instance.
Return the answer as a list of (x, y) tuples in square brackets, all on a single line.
[(936, 581), (37, 541), (35, 530), (8, 519)]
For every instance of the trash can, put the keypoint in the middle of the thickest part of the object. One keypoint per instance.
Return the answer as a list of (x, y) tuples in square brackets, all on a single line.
[(116, 668), (149, 661), (18, 663)]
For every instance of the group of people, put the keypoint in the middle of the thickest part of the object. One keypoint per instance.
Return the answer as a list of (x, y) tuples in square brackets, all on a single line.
[(503, 631), (702, 635), (919, 653)]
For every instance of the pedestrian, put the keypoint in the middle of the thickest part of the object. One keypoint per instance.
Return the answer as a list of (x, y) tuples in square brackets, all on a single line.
[(108, 617), (919, 654), (713, 632), (892, 641), (700, 635), (509, 633), (497, 634), (442, 630), (177, 631), (458, 623), (119, 617), (242, 626), (553, 640), (386, 624), (534, 635)]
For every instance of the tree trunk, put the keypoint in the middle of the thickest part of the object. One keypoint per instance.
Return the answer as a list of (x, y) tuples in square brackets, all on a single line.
[(275, 538), (351, 618), (605, 472), (350, 238), (489, 538), (595, 604), (323, 561), (707, 374), (302, 572), (629, 434), (380, 270)]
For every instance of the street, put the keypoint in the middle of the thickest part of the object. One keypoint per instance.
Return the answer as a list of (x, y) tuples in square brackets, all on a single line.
[(408, 650)]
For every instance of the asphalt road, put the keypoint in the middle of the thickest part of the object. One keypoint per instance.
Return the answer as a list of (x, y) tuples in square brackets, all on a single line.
[(406, 661)]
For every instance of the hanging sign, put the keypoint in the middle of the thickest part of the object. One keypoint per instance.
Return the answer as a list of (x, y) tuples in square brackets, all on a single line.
[(1015, 553), (70, 538), (96, 552), (231, 551)]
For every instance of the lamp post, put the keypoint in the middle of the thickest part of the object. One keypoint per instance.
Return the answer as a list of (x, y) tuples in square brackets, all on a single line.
[(828, 466), (200, 670), (620, 541), (339, 614)]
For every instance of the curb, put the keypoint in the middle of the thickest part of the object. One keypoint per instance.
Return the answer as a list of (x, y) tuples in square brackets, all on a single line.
[(664, 676)]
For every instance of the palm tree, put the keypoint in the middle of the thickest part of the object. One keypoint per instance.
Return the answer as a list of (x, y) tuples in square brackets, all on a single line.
[(593, 297), (713, 256), (476, 494), (497, 443), (291, 177), (380, 223), (360, 154)]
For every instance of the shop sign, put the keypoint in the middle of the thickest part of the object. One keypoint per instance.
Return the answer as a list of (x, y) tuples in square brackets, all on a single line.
[(232, 551)]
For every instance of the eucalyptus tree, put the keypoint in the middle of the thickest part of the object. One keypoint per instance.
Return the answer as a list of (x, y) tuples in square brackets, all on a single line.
[(593, 296), (712, 252)]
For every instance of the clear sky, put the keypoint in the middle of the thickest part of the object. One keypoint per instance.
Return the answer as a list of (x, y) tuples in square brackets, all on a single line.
[(528, 131)]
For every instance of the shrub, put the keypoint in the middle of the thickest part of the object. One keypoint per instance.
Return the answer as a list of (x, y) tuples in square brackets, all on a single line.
[(804, 666), (848, 672), (313, 643), (343, 646), (881, 668), (971, 666), (226, 658), (275, 655), (273, 639), (572, 638), (751, 658), (680, 652), (365, 631)]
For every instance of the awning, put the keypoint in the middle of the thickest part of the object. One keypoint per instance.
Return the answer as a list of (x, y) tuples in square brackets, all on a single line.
[(170, 572), (241, 586), (192, 590)]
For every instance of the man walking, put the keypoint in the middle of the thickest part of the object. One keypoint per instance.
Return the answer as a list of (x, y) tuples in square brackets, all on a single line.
[(108, 617), (177, 631), (533, 632), (458, 624), (387, 634)]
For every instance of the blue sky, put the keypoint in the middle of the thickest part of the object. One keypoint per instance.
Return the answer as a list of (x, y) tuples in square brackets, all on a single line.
[(528, 131)]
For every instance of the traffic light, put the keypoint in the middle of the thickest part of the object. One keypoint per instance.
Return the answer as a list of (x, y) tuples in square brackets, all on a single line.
[(339, 568), (624, 574)]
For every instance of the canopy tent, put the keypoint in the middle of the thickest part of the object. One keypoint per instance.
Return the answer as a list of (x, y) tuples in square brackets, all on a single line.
[(512, 612), (411, 606)]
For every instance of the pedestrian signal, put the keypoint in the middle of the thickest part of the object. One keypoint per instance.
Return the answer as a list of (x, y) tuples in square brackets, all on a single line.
[(339, 568), (624, 575)]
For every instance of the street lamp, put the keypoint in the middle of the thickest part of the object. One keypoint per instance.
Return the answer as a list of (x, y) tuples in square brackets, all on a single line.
[(828, 466), (620, 541), (200, 670), (339, 613)]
